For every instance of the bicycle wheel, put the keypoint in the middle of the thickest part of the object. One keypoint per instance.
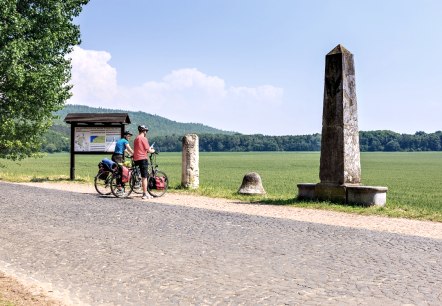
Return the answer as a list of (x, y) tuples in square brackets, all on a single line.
[(135, 181), (157, 185), (119, 190), (102, 182)]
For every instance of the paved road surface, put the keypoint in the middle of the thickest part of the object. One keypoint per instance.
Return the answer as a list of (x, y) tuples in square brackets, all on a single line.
[(107, 251)]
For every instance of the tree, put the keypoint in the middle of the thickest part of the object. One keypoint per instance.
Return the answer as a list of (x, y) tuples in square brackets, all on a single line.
[(35, 37), (392, 146), (434, 142)]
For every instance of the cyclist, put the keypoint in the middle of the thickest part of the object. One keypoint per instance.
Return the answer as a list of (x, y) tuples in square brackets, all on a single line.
[(141, 150), (122, 146)]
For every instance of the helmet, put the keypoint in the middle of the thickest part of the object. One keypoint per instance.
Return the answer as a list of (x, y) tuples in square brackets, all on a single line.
[(127, 133), (142, 128)]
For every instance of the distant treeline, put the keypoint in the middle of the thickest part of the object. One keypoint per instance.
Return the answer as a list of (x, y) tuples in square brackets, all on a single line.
[(57, 140), (244, 143), (386, 141), (389, 141)]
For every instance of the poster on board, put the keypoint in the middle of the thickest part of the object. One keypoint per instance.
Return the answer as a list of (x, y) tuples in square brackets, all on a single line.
[(96, 139)]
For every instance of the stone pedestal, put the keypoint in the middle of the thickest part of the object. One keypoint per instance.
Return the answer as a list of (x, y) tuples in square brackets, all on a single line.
[(331, 192), (367, 195), (306, 191), (190, 162), (340, 165), (346, 194)]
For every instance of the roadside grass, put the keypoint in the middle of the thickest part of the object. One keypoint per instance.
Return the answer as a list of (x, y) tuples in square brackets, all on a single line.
[(413, 179), (5, 303)]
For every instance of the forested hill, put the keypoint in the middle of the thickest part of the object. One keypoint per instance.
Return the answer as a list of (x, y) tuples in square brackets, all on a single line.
[(158, 126), (167, 134)]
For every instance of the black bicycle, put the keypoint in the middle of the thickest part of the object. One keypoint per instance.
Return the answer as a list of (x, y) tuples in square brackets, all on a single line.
[(120, 183), (157, 182), (135, 178), (102, 180)]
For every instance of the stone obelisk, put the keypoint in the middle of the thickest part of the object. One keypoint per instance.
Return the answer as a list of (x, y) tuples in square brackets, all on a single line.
[(340, 159), (340, 165)]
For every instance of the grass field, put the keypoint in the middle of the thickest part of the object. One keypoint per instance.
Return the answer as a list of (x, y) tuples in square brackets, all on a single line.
[(414, 179)]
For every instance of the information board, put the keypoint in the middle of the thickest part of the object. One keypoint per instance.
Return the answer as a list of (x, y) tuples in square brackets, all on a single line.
[(96, 139)]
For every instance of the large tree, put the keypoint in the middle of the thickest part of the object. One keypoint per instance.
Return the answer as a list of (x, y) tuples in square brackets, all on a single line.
[(35, 37)]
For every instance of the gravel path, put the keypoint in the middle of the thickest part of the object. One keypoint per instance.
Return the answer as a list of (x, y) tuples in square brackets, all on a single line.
[(393, 225), (85, 249)]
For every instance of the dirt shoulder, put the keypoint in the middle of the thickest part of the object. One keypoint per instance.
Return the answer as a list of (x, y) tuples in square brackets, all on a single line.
[(14, 293)]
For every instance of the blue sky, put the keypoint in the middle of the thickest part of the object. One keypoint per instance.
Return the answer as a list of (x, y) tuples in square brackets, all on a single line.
[(257, 66)]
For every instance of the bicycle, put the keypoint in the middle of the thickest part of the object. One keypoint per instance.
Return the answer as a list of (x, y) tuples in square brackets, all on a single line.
[(118, 184), (119, 189), (135, 178), (102, 181), (157, 182)]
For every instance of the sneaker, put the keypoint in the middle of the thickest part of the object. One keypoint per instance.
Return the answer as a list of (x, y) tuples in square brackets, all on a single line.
[(146, 197)]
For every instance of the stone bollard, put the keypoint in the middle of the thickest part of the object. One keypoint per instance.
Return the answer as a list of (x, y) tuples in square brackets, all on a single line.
[(251, 184), (190, 175)]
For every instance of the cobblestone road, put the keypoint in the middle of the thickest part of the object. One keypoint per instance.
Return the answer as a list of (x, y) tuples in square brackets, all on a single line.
[(107, 251)]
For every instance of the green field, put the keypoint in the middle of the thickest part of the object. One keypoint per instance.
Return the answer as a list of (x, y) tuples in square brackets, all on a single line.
[(414, 179)]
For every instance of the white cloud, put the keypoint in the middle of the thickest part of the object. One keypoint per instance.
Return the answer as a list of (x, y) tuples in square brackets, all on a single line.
[(185, 95), (93, 78), (265, 93), (184, 79)]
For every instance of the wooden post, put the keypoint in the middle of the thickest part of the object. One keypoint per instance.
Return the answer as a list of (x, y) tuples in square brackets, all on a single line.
[(72, 166)]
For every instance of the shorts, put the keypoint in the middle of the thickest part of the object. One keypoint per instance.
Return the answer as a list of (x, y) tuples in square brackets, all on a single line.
[(143, 165), (118, 158)]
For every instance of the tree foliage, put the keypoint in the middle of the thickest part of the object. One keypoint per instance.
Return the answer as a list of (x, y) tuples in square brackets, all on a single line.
[(35, 36)]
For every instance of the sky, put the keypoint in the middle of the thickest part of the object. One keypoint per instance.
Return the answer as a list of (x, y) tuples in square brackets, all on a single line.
[(257, 66)]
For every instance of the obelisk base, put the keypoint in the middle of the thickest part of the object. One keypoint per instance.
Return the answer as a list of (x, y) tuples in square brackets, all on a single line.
[(331, 192), (347, 194)]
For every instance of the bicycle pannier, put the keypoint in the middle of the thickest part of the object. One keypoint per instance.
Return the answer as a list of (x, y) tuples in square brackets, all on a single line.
[(160, 182), (103, 171), (109, 164), (125, 174)]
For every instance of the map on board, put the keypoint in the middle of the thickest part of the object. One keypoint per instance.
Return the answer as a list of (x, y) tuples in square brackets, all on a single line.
[(96, 139)]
